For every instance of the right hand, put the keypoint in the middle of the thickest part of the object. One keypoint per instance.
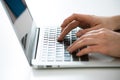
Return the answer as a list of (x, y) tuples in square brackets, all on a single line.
[(87, 22), (102, 41)]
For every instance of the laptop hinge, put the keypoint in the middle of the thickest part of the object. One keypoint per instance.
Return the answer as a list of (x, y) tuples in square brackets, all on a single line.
[(36, 42)]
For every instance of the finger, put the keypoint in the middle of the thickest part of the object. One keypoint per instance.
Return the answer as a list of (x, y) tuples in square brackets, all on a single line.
[(81, 32), (82, 43), (67, 29), (94, 31), (73, 43), (96, 34), (67, 21), (92, 34), (89, 49), (77, 17)]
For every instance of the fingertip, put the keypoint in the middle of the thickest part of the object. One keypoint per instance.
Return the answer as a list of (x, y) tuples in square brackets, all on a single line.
[(59, 39), (68, 49), (79, 54), (89, 49), (80, 33)]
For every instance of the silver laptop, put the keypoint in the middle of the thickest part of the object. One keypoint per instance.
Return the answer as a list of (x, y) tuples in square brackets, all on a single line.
[(40, 44)]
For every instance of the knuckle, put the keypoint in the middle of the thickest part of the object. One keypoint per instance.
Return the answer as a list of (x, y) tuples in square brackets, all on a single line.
[(66, 20), (103, 33), (104, 29), (74, 14), (91, 49), (85, 40)]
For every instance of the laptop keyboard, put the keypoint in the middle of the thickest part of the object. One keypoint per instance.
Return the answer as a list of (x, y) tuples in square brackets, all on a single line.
[(53, 50)]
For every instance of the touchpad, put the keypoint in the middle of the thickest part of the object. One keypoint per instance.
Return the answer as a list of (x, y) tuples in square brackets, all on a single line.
[(100, 57)]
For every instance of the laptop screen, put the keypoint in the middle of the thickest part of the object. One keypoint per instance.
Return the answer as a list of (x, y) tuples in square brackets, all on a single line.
[(20, 18), (22, 22)]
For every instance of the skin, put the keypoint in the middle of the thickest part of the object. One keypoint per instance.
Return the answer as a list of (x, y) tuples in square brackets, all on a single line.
[(98, 34)]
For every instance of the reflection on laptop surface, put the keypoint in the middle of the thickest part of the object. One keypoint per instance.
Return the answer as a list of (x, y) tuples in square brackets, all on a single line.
[(40, 44)]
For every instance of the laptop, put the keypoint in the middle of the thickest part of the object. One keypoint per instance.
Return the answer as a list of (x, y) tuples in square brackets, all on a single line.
[(40, 44)]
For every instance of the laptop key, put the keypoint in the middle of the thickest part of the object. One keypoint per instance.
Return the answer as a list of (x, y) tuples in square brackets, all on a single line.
[(67, 56), (75, 58), (67, 59), (84, 57)]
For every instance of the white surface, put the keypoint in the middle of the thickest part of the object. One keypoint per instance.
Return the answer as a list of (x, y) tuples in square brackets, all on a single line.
[(13, 64)]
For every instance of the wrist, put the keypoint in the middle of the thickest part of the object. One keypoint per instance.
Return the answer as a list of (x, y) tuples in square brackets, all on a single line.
[(116, 22)]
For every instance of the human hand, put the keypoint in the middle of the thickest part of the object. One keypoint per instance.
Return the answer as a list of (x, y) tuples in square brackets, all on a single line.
[(102, 41), (88, 23)]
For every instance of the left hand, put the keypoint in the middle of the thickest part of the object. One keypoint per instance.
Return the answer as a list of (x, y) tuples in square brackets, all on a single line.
[(102, 41)]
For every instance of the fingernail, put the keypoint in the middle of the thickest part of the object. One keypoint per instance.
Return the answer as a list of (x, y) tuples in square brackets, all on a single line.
[(69, 51), (59, 39), (78, 35)]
